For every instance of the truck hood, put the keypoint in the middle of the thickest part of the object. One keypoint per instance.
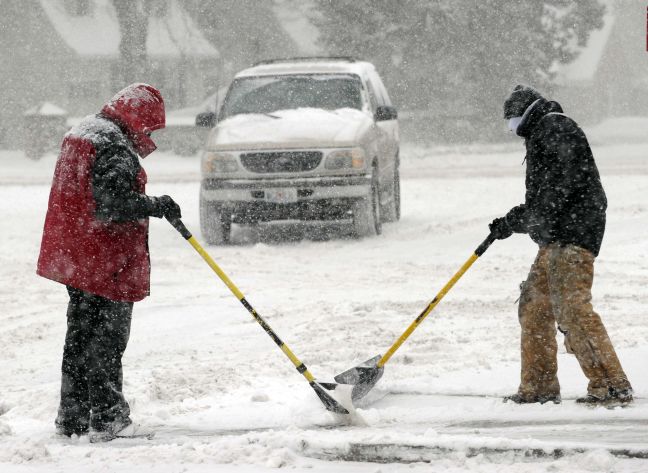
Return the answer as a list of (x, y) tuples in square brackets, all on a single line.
[(303, 127)]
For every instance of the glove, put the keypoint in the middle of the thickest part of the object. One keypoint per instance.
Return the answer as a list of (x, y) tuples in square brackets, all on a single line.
[(500, 228), (166, 207), (517, 219)]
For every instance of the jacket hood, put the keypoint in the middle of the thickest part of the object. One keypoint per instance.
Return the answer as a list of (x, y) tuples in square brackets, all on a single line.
[(139, 110), (519, 100), (534, 113)]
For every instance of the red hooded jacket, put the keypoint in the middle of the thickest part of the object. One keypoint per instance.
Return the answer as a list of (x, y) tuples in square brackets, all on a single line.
[(95, 236)]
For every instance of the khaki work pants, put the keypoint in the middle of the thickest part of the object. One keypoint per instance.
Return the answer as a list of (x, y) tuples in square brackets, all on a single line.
[(558, 291)]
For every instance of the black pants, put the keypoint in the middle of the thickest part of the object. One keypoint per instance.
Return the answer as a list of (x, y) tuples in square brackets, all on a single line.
[(91, 383)]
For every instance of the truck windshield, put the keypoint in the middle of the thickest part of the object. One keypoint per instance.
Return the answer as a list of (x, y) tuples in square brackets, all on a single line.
[(269, 94)]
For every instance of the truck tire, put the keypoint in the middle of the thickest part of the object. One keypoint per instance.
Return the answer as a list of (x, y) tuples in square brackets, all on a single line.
[(215, 225), (366, 211), (392, 211)]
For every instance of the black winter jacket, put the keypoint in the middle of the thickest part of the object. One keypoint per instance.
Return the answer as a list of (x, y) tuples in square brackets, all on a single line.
[(115, 171), (565, 201)]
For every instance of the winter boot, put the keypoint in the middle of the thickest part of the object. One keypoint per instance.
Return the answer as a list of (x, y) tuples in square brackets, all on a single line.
[(123, 428), (62, 431), (518, 398), (623, 396), (613, 398), (590, 399)]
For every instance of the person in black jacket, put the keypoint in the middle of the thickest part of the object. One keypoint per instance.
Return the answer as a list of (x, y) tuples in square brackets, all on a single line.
[(564, 213)]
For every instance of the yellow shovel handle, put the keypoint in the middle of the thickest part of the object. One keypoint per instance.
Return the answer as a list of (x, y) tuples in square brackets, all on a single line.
[(478, 252), (301, 368)]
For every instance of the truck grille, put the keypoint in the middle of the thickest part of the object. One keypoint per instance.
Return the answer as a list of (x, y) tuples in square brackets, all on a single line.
[(281, 161)]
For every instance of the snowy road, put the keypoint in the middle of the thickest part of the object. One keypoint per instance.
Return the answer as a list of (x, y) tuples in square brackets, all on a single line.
[(223, 398)]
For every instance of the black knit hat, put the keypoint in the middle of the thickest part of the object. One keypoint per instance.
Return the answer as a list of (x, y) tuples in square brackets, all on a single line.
[(521, 97)]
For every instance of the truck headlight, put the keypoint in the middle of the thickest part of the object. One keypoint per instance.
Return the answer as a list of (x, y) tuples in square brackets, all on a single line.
[(353, 158), (214, 162)]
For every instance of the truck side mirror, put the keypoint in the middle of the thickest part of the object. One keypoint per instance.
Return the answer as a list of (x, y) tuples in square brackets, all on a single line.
[(206, 119), (384, 113)]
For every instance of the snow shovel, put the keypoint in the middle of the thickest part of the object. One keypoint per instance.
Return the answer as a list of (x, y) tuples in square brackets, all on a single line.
[(320, 389), (365, 376)]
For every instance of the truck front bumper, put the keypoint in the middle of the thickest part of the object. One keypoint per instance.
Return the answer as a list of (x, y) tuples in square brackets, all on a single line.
[(309, 188), (313, 198)]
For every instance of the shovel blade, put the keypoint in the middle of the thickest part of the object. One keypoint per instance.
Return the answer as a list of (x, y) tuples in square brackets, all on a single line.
[(363, 377), (329, 402)]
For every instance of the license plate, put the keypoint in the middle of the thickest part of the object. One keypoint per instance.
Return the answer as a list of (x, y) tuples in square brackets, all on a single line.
[(281, 196)]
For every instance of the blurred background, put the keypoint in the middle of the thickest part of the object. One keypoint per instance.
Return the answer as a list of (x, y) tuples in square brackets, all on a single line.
[(448, 64)]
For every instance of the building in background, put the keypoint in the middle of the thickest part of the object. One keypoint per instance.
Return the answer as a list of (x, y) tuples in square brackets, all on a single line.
[(610, 76), (66, 52), (248, 31)]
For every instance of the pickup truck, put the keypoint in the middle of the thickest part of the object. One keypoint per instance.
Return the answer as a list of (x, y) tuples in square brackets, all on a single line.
[(301, 139)]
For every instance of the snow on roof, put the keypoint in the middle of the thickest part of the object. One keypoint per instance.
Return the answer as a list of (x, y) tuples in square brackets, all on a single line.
[(97, 33), (587, 62), (46, 108), (175, 34), (323, 66), (294, 16)]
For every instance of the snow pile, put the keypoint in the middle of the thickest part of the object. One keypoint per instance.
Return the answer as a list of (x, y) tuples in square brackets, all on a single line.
[(342, 394), (24, 450), (5, 430), (598, 460)]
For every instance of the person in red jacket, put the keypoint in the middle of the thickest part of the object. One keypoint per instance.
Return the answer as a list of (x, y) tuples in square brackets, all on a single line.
[(95, 242)]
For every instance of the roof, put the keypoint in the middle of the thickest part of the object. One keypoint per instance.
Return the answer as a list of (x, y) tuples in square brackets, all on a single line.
[(320, 66), (295, 17), (46, 109), (96, 33), (584, 67)]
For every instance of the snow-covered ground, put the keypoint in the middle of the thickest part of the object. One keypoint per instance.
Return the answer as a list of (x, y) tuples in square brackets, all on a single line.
[(222, 397)]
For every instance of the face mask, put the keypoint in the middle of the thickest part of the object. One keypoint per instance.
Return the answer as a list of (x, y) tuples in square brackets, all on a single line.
[(143, 144), (513, 124)]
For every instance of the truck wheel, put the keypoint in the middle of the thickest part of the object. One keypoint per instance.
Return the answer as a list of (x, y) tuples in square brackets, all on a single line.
[(366, 211), (215, 225), (391, 212)]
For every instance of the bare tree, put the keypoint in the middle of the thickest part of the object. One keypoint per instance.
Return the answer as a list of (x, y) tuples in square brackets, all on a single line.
[(132, 16)]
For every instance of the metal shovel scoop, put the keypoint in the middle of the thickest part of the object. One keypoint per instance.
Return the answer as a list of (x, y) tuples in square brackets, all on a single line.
[(365, 376)]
